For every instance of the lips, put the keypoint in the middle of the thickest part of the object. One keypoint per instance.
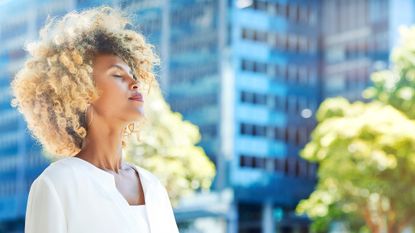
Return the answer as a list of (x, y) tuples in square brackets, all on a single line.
[(136, 97)]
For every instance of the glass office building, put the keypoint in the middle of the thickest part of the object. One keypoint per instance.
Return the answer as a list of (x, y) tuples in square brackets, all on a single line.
[(357, 37), (20, 156), (275, 91), (249, 73), (246, 72), (21, 159)]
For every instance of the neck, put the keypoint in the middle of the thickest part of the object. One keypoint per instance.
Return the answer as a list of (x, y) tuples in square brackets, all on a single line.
[(103, 146)]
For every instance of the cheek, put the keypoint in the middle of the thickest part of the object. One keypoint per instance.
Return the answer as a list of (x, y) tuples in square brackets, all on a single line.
[(114, 89), (112, 83), (114, 95)]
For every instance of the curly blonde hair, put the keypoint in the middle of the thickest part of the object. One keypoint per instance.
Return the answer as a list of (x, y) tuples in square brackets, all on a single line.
[(55, 87)]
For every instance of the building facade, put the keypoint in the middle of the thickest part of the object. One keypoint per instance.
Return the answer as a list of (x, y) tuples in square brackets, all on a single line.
[(274, 64), (250, 73), (20, 160), (357, 38)]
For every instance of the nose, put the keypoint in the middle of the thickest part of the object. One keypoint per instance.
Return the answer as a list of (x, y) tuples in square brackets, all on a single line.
[(134, 85)]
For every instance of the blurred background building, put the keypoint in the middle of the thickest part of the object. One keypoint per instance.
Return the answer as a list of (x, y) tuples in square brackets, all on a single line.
[(20, 158), (357, 37), (249, 73)]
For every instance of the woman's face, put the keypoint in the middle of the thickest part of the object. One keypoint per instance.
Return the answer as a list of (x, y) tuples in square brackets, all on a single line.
[(120, 99)]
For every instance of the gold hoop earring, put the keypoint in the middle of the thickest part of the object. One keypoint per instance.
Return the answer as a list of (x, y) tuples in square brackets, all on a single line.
[(129, 129)]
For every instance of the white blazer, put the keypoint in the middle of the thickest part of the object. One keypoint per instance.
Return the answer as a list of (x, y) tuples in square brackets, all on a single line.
[(74, 196)]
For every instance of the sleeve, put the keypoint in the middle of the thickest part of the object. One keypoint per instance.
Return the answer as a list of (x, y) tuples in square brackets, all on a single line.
[(44, 212)]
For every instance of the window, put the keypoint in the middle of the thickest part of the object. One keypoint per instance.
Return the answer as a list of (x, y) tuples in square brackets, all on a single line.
[(277, 8), (292, 42), (288, 166), (258, 162), (252, 129), (301, 104), (280, 41), (311, 77), (286, 42), (254, 35), (277, 70), (279, 133), (246, 34), (260, 67), (302, 73), (253, 98), (278, 103), (246, 97), (260, 99), (257, 67), (245, 161), (277, 165), (259, 130), (292, 135), (297, 170), (261, 5), (247, 65), (303, 14), (252, 161), (259, 36), (303, 135), (270, 132), (293, 12), (286, 135), (291, 104), (185, 105), (292, 74), (297, 137), (246, 129)]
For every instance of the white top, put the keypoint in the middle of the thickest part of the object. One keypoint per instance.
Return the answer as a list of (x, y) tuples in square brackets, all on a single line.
[(139, 212), (74, 196)]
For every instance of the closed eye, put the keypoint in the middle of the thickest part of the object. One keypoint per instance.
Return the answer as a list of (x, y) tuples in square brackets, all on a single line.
[(117, 76)]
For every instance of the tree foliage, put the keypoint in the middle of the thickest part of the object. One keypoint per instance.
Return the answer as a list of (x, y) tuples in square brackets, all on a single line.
[(366, 153), (396, 86)]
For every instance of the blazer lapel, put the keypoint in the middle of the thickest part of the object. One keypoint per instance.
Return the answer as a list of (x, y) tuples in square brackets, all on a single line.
[(159, 215), (150, 197)]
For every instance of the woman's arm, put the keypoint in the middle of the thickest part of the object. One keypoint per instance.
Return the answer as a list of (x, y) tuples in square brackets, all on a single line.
[(44, 212)]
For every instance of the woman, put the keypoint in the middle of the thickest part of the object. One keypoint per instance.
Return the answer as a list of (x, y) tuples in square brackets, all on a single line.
[(81, 93)]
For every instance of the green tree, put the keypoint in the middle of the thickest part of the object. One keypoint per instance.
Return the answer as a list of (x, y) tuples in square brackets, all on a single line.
[(366, 156), (396, 86), (366, 153), (167, 148)]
